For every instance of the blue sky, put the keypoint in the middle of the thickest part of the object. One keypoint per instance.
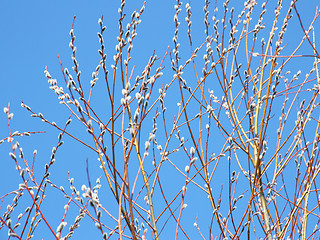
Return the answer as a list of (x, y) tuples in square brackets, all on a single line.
[(34, 33)]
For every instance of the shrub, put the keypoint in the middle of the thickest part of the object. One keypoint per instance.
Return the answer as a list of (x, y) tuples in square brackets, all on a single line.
[(216, 139)]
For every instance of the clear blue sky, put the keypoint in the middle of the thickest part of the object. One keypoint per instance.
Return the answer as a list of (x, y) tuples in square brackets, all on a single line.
[(33, 34)]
